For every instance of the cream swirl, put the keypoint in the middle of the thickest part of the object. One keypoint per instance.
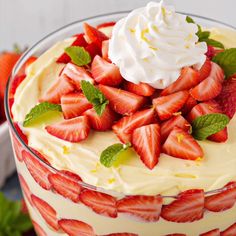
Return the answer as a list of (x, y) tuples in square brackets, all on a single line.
[(152, 45)]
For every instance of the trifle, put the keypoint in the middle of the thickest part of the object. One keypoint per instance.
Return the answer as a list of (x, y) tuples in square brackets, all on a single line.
[(127, 127)]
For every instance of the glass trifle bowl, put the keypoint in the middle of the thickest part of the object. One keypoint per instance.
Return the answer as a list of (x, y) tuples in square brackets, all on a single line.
[(60, 203)]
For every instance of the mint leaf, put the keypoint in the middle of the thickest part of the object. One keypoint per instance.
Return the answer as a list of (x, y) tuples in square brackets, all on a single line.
[(111, 154), (190, 20), (78, 55), (95, 96), (227, 61), (214, 43), (206, 125), (40, 110)]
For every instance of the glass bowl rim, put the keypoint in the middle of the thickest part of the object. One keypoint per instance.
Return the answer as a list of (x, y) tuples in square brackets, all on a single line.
[(13, 74)]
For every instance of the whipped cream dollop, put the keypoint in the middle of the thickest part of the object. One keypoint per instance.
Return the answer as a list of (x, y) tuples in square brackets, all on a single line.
[(152, 45)]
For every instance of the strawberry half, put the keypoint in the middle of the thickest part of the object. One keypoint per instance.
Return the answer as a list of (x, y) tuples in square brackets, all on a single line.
[(146, 141), (182, 145), (231, 231), (105, 49), (205, 70), (214, 232), (76, 228), (74, 104), (39, 230), (25, 188), (144, 208), (73, 130), (126, 125), (141, 89), (188, 207), (105, 72), (121, 101), (167, 105), (101, 203)]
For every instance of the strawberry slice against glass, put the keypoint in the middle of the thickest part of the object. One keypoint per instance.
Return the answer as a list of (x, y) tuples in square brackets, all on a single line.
[(25, 188), (214, 232), (17, 148), (15, 83), (231, 231), (39, 230), (141, 89)]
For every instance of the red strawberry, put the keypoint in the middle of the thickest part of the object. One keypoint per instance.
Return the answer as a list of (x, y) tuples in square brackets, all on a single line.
[(18, 147), (73, 130), (74, 104), (189, 104), (105, 48), (231, 231), (20, 133), (76, 228), (100, 203), (23, 69), (106, 24), (182, 145), (144, 208), (217, 72), (222, 201), (103, 122), (46, 211), (93, 49), (126, 125), (24, 208), (205, 70), (188, 207), (121, 101), (141, 89), (15, 83), (39, 230), (105, 72), (41, 156), (214, 232), (25, 188), (37, 169), (121, 234), (146, 141), (60, 87), (210, 52), (167, 105)]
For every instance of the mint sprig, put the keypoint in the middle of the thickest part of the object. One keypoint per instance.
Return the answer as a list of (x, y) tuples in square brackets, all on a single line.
[(94, 96), (40, 110), (206, 125), (111, 154), (78, 55)]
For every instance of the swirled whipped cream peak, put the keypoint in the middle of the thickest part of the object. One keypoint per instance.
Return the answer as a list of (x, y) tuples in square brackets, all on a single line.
[(152, 45)]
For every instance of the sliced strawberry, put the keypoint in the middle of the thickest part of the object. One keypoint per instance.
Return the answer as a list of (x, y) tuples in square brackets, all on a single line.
[(106, 24), (103, 122), (20, 133), (41, 156), (220, 136), (101, 203), (126, 125), (146, 141), (141, 89), (93, 49), (76, 228), (105, 72), (39, 230), (182, 145), (188, 207), (214, 232), (210, 52), (166, 106), (18, 148), (105, 48), (73, 130), (189, 104), (121, 234), (231, 231), (121, 101), (74, 104), (25, 188), (15, 83), (205, 70), (60, 87), (37, 169), (144, 208), (217, 72), (46, 211)]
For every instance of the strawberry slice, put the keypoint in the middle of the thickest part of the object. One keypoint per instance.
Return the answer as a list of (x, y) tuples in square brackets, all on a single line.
[(25, 188), (73, 130), (93, 49), (46, 211), (182, 145), (17, 148), (121, 101), (210, 52), (144, 208), (121, 234), (205, 70), (222, 201), (103, 122), (105, 49), (105, 72), (188, 207), (39, 230), (101, 203), (76, 228), (15, 83), (146, 141), (74, 104), (126, 125), (231, 231), (167, 105), (106, 24), (141, 89), (60, 87), (214, 232), (37, 169), (20, 133), (189, 104)]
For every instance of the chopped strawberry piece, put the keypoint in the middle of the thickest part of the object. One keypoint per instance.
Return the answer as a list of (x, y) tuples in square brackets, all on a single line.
[(231, 231), (46, 211), (93, 49), (74, 104), (76, 228), (41, 156), (39, 230), (141, 89), (210, 52), (189, 104), (166, 106), (205, 70), (217, 72), (188, 207), (73, 130), (105, 72), (182, 145), (106, 24), (146, 141), (15, 83), (100, 203), (121, 101), (121, 234), (220, 136), (214, 232), (105, 48), (18, 148), (126, 125), (25, 188), (144, 208)]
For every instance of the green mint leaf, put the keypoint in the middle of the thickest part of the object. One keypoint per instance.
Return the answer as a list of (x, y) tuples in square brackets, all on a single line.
[(203, 35), (190, 20), (78, 55), (227, 61), (111, 154), (40, 110), (206, 125), (214, 43)]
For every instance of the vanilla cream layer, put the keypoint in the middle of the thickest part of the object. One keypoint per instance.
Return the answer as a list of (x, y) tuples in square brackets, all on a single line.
[(170, 176)]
